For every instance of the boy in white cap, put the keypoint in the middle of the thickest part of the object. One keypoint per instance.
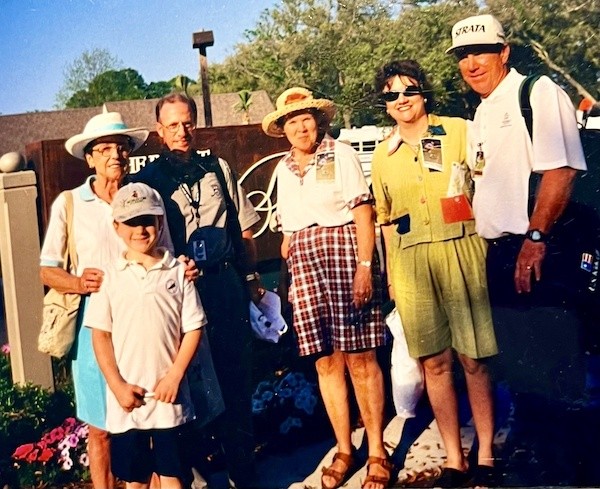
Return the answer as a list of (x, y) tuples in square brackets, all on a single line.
[(146, 321)]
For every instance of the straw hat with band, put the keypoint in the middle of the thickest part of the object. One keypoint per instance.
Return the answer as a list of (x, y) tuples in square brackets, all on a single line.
[(105, 124), (294, 100)]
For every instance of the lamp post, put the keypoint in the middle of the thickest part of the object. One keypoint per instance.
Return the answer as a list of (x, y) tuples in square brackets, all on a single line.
[(202, 40)]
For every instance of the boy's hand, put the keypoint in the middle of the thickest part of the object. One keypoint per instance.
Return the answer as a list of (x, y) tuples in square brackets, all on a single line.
[(167, 388), (130, 396)]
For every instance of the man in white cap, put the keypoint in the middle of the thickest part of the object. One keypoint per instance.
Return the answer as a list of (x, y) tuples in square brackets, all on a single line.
[(503, 156), (499, 139)]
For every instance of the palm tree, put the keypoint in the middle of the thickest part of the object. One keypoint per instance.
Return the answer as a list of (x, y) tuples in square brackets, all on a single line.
[(243, 105)]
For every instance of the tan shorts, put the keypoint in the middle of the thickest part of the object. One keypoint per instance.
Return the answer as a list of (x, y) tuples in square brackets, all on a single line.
[(442, 296)]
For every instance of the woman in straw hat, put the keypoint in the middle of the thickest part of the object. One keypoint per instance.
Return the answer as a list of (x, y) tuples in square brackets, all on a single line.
[(325, 211), (105, 145)]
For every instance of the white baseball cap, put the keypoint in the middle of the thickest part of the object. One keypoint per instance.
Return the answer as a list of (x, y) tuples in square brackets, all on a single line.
[(134, 200), (476, 31)]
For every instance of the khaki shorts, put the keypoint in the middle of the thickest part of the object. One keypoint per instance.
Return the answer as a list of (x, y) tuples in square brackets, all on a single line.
[(442, 297)]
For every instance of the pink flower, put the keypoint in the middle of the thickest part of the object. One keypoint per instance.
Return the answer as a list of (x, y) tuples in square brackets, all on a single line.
[(67, 463), (72, 440), (84, 459), (22, 451), (5, 349)]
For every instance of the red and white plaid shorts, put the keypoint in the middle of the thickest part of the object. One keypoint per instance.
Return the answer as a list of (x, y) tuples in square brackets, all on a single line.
[(322, 264)]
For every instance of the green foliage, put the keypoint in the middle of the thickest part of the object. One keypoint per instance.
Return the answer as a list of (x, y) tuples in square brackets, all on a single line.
[(182, 83), (110, 86), (562, 38), (25, 413), (243, 105), (80, 73), (334, 48)]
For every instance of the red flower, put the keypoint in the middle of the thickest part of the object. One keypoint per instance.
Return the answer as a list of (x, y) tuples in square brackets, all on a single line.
[(69, 423), (22, 451), (32, 456), (45, 455), (57, 434)]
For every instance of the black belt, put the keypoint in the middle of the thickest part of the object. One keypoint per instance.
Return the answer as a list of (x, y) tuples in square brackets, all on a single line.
[(215, 269), (508, 238)]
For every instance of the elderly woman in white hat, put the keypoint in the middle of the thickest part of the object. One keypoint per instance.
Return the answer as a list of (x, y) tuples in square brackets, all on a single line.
[(325, 211), (105, 145)]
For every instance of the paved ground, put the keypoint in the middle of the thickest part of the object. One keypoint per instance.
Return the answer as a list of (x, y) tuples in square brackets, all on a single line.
[(552, 446)]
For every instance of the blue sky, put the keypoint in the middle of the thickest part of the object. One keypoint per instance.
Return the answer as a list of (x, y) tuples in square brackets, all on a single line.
[(38, 38)]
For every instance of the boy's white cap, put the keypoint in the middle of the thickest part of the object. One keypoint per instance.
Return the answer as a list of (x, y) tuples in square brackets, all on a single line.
[(477, 30), (136, 199), (266, 319)]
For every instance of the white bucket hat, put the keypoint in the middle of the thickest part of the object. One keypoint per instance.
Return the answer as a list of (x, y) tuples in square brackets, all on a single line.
[(476, 31), (293, 100), (266, 320), (104, 124)]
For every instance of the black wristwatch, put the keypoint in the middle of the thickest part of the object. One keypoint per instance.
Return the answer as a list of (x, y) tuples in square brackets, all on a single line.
[(536, 236)]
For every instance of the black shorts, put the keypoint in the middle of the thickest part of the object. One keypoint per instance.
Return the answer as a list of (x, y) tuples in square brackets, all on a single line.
[(136, 454)]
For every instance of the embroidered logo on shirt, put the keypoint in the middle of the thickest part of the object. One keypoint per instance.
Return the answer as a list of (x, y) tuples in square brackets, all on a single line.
[(172, 286), (506, 122)]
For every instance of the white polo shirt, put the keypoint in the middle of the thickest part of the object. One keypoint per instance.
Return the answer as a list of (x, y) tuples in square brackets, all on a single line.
[(500, 203), (146, 312), (333, 184)]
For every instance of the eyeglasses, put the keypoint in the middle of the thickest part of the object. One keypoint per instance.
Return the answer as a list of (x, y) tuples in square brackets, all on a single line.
[(410, 91), (173, 128), (107, 151)]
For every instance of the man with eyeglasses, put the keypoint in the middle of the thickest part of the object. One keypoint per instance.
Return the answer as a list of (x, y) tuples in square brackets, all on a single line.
[(210, 219), (503, 157)]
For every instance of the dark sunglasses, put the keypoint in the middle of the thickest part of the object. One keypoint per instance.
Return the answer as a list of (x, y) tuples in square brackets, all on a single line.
[(410, 91)]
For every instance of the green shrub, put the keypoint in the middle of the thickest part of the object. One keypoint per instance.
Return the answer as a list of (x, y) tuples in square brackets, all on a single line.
[(26, 413)]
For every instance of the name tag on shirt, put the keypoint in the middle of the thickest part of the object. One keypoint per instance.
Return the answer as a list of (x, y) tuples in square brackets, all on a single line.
[(326, 168), (431, 153)]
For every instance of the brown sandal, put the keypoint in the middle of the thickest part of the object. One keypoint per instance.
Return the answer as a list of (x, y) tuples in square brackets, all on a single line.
[(378, 479), (339, 477)]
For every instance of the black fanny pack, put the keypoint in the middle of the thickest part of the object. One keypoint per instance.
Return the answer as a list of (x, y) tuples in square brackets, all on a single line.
[(209, 246)]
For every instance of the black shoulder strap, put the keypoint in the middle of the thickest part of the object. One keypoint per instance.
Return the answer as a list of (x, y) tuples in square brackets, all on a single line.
[(211, 163), (527, 113), (525, 101)]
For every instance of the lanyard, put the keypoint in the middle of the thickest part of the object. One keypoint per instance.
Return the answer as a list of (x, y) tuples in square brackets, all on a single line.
[(194, 201)]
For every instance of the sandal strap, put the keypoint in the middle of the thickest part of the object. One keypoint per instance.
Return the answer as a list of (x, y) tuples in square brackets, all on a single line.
[(347, 458), (337, 475), (384, 462)]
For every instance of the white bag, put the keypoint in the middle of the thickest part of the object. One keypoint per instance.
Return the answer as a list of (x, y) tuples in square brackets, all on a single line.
[(407, 374)]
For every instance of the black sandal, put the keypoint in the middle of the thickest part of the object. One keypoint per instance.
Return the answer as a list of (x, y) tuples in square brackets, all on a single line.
[(486, 476), (452, 478)]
